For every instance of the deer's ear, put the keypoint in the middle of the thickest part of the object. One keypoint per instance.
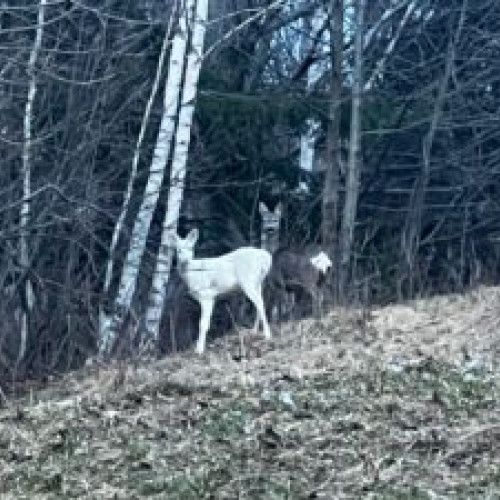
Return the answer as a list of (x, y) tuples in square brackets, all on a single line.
[(192, 237), (277, 210), (263, 208)]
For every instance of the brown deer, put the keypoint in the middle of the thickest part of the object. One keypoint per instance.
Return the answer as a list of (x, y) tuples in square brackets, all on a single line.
[(299, 272)]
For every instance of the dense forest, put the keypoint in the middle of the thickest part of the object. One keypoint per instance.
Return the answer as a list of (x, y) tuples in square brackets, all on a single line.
[(372, 125)]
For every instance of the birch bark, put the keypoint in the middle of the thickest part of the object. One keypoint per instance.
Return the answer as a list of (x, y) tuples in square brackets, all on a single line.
[(26, 172), (177, 177), (133, 175), (128, 279)]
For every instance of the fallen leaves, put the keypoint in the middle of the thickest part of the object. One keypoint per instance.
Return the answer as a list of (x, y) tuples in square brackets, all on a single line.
[(400, 403)]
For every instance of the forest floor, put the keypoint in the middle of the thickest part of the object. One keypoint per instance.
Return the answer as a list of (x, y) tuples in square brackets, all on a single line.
[(401, 402)]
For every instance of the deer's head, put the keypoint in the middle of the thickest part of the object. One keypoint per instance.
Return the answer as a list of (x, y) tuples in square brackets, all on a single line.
[(270, 226), (185, 246)]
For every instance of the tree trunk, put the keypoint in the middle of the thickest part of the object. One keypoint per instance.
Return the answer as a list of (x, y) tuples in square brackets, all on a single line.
[(128, 281), (26, 170), (330, 207), (354, 163), (177, 178), (133, 175), (410, 241)]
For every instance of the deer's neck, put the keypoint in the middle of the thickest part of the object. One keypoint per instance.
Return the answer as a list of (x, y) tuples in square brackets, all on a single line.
[(183, 267), (270, 241)]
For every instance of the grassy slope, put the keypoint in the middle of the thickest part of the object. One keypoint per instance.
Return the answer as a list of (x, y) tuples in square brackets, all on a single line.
[(400, 403)]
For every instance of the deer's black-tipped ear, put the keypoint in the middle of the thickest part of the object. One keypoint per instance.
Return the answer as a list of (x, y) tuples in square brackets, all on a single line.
[(263, 208), (277, 210), (192, 237)]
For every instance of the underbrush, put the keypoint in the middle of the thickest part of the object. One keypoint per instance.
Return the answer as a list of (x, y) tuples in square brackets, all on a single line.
[(399, 404), (420, 433)]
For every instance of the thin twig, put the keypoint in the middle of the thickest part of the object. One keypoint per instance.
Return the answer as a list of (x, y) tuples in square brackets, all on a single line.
[(262, 13)]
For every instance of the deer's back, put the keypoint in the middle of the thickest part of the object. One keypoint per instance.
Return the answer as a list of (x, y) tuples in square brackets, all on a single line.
[(291, 267), (217, 275)]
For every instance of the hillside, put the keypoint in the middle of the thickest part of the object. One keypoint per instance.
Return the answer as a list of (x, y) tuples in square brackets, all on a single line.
[(393, 403)]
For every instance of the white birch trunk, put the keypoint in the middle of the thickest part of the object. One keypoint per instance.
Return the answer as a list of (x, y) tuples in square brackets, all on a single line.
[(103, 320), (128, 281), (353, 169), (26, 170), (177, 177)]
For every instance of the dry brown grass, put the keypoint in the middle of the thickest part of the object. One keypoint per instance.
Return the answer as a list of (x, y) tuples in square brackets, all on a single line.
[(400, 402)]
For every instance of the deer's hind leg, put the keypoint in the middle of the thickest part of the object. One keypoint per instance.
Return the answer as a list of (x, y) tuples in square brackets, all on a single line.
[(256, 323), (207, 305), (254, 293)]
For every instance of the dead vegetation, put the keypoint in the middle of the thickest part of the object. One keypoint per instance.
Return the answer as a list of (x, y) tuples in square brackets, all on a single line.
[(397, 403)]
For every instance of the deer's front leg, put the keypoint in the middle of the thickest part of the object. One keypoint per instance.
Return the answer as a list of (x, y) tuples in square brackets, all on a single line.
[(256, 324), (207, 306)]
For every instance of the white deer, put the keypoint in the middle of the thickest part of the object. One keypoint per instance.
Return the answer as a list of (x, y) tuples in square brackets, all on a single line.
[(243, 269)]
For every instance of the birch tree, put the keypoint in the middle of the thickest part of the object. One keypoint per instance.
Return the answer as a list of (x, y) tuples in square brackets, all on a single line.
[(133, 174), (354, 162), (24, 254), (130, 271), (177, 176)]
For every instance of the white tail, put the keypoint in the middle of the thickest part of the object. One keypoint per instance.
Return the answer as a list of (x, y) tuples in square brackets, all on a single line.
[(243, 269)]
